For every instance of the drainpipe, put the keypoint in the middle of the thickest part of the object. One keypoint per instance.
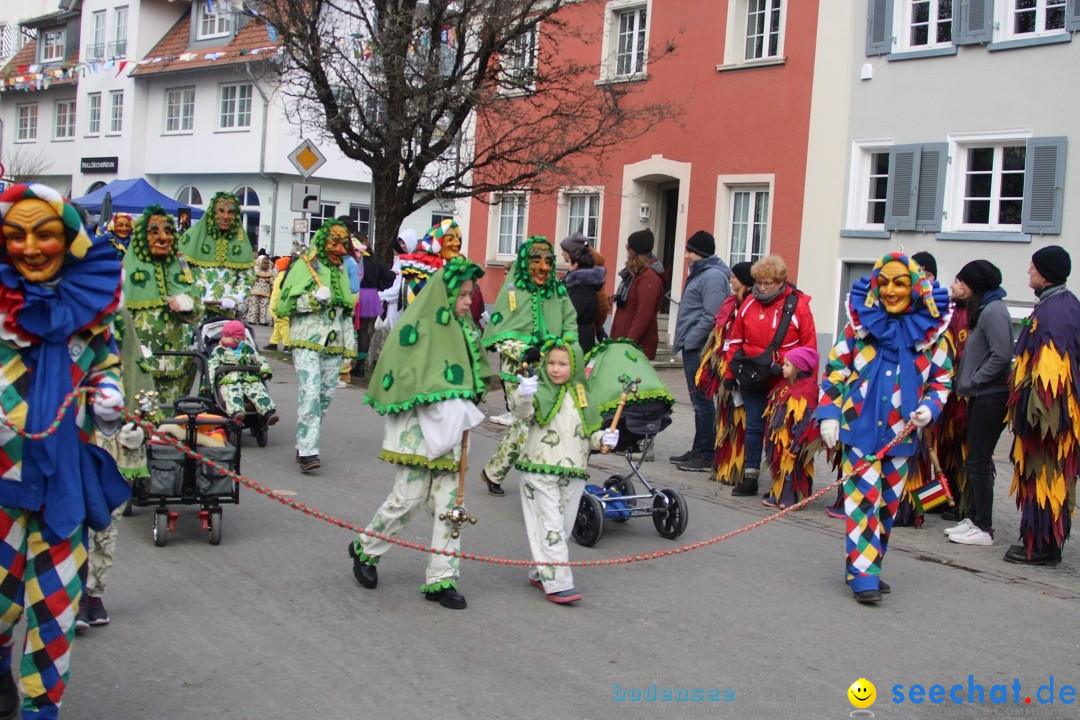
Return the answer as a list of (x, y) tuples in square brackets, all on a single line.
[(262, 157)]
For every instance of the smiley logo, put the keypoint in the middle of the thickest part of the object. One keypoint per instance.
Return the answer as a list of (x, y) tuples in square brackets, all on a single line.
[(862, 693)]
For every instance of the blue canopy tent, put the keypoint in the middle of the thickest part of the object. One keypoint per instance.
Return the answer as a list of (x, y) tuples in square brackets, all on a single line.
[(132, 196)]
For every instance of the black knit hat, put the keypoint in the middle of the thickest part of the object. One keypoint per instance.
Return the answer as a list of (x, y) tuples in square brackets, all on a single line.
[(701, 243), (1053, 263), (742, 271), (641, 241), (926, 261), (980, 275)]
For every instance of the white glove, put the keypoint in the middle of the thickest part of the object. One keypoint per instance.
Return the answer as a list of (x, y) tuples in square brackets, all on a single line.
[(610, 439), (106, 401), (830, 432), (528, 386), (322, 294), (922, 416), (131, 436), (227, 303)]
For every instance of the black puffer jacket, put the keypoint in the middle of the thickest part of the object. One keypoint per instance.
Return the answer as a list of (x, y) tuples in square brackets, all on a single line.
[(582, 286)]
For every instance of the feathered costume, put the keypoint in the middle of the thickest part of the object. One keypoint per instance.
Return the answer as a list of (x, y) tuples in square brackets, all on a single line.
[(792, 438), (729, 454), (1044, 414), (883, 367)]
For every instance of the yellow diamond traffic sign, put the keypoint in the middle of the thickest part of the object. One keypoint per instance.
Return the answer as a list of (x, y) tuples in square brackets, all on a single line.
[(306, 158)]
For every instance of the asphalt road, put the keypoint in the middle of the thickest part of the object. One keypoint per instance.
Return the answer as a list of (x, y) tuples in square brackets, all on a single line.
[(271, 624)]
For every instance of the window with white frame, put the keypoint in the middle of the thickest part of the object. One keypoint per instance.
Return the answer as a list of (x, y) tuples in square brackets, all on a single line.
[(754, 32), (925, 24), (583, 215), (361, 218), (93, 116), (869, 186), (762, 29), (179, 110), (65, 120), (235, 106), (511, 214), (52, 46), (1032, 18), (326, 212), (992, 186), (213, 23), (624, 54), (249, 212), (437, 217), (96, 49), (749, 234), (26, 122), (9, 39), (120, 23), (116, 111), (519, 61), (189, 195)]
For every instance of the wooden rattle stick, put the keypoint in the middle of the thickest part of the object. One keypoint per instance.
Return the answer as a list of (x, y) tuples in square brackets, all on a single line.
[(307, 261), (615, 420), (462, 467)]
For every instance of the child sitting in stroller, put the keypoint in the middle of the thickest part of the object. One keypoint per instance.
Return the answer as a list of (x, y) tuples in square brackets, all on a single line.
[(563, 427), (237, 385)]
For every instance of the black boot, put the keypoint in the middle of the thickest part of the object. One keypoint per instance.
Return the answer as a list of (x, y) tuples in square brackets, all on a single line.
[(748, 486), (9, 696)]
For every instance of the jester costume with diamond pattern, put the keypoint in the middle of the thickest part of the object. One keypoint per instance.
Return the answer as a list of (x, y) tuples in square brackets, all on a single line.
[(883, 367), (1044, 414), (54, 338), (432, 362)]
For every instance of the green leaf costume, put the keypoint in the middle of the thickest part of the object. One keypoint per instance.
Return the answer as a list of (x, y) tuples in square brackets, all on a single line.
[(221, 261), (525, 313), (149, 282), (610, 364), (432, 354)]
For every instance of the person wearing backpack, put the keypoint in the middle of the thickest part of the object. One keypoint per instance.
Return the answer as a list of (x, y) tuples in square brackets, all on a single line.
[(775, 319)]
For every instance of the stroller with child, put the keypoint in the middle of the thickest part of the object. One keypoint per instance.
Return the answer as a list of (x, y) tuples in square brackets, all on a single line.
[(209, 337), (631, 396), (201, 423)]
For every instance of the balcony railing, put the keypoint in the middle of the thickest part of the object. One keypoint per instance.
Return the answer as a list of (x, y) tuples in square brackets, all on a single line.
[(95, 52), (118, 49)]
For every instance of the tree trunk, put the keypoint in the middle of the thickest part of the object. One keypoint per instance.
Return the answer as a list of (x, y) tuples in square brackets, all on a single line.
[(389, 210)]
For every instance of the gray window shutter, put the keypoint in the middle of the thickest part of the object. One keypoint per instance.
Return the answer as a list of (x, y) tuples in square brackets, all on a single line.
[(930, 191), (900, 203), (1044, 178), (1072, 15), (879, 27), (976, 22)]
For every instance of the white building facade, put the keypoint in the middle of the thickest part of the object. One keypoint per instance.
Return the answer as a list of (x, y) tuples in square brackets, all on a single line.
[(187, 98), (954, 138)]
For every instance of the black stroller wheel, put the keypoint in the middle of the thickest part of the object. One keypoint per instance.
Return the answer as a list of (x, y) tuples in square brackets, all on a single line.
[(589, 526), (625, 487), (263, 436), (670, 522), (214, 526), (161, 528)]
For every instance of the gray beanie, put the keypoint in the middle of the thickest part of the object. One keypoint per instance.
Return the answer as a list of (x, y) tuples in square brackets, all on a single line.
[(573, 242)]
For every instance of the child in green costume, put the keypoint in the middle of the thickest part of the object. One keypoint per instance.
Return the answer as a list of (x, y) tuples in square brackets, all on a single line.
[(563, 428), (429, 378)]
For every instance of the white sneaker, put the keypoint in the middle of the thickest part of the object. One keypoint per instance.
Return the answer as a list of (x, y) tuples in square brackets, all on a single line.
[(506, 419), (974, 536), (963, 526), (341, 384)]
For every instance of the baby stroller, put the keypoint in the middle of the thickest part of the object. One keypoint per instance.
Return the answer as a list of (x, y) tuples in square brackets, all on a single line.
[(176, 479), (640, 406), (209, 337)]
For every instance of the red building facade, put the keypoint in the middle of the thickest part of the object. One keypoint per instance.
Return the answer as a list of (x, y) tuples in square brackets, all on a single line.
[(732, 163)]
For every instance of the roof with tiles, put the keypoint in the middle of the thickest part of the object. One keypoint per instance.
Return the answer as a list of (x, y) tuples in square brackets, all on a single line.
[(172, 53), (16, 74)]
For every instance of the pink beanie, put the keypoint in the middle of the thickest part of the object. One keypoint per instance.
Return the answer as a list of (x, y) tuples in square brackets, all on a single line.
[(805, 359), (233, 328)]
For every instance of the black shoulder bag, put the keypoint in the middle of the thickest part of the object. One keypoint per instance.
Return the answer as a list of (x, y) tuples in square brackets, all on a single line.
[(752, 373)]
